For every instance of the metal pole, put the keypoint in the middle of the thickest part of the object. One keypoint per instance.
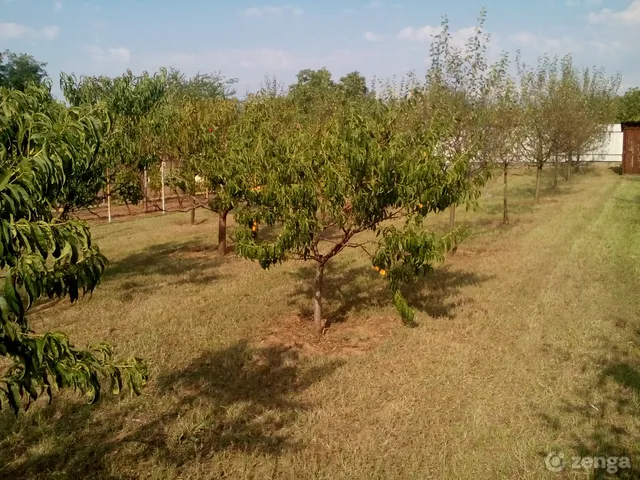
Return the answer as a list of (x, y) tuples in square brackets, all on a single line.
[(162, 184)]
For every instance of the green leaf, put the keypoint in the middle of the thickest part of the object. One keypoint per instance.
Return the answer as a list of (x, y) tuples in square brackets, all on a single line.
[(12, 297), (14, 397)]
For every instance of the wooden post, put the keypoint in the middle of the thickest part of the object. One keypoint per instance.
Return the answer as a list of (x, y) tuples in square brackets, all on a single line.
[(108, 197), (162, 185), (505, 208), (452, 218), (317, 300), (146, 190)]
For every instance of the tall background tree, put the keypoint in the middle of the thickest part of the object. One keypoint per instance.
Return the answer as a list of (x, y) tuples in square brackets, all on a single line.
[(116, 167), (18, 70), (628, 106), (461, 85)]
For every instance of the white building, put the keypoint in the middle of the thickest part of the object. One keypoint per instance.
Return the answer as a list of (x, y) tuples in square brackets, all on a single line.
[(611, 148)]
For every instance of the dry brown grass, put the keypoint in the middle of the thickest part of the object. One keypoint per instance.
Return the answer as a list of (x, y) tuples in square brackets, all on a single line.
[(528, 342)]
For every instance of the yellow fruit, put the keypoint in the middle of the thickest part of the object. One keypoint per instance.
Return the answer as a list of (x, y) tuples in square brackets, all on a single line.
[(254, 229), (419, 205), (383, 272), (377, 269)]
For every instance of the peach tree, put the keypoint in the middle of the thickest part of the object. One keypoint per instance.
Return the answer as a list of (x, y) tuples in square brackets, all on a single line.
[(44, 257), (345, 167), (201, 133), (131, 103)]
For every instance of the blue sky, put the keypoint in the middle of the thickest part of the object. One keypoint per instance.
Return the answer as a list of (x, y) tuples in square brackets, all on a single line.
[(250, 39)]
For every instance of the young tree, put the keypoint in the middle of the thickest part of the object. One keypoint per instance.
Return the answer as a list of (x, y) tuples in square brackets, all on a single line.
[(43, 257), (337, 167), (200, 132), (192, 132), (589, 97), (461, 85), (542, 114), (504, 134)]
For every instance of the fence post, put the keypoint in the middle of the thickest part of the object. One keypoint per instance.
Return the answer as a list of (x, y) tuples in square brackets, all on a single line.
[(162, 184), (108, 197), (146, 190)]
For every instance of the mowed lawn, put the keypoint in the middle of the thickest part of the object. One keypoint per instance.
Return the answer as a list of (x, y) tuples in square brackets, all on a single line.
[(528, 342)]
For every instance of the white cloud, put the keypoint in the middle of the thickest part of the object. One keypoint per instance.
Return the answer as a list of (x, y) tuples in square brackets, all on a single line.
[(272, 11), (543, 43), (258, 58), (110, 55), (588, 3), (425, 34), (627, 16), (50, 33), (606, 47), (245, 62), (16, 31), (372, 37), (57, 5), (374, 4), (421, 34)]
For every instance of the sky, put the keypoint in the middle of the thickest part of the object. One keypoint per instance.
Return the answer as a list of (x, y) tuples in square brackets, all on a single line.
[(249, 40)]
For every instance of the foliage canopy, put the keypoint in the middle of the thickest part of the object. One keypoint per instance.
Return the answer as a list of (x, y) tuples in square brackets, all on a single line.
[(43, 257)]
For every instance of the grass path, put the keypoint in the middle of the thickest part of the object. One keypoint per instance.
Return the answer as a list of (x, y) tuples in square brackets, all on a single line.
[(529, 343)]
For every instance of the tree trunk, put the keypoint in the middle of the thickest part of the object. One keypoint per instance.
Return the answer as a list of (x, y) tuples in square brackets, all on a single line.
[(505, 209), (569, 162), (452, 225), (538, 175), (555, 172), (222, 233), (578, 162), (317, 300), (193, 216), (452, 217)]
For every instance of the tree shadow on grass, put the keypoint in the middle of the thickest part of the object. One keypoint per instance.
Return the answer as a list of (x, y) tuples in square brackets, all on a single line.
[(181, 262), (547, 190), (348, 289), (610, 410), (515, 208), (616, 169), (239, 398)]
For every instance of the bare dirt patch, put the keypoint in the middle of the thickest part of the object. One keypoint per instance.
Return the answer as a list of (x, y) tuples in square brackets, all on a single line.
[(340, 340)]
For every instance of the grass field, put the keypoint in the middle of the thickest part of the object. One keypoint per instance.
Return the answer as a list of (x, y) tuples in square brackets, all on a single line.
[(528, 342)]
